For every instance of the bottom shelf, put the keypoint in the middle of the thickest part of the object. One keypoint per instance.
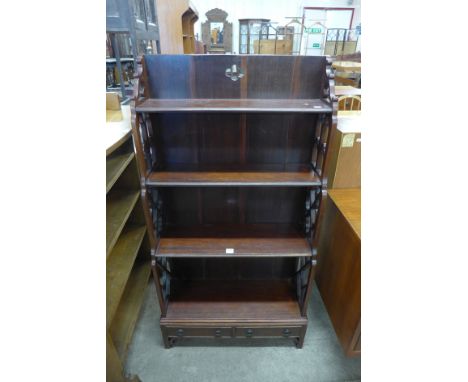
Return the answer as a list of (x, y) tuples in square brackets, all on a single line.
[(232, 301), (127, 313)]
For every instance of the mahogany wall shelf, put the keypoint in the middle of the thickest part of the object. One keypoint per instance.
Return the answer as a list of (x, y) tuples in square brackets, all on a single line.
[(232, 155)]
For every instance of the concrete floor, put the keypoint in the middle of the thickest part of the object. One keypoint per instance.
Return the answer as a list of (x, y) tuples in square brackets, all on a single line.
[(196, 360)]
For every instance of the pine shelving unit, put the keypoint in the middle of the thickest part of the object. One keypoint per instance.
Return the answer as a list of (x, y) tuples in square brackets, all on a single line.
[(127, 253)]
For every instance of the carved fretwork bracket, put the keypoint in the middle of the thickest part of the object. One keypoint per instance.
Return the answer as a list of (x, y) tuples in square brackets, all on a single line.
[(140, 89), (312, 205), (141, 124), (320, 143), (327, 125), (156, 211), (162, 269), (146, 136)]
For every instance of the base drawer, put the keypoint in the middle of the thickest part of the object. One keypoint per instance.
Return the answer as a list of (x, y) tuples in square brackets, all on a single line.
[(198, 332), (282, 331)]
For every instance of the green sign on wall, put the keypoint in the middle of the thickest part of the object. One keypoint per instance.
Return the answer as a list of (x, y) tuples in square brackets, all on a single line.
[(313, 30), (315, 45)]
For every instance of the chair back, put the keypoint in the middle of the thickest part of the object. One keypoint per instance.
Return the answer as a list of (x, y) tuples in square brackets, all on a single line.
[(349, 103)]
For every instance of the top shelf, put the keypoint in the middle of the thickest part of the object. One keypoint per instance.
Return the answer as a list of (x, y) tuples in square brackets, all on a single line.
[(234, 105)]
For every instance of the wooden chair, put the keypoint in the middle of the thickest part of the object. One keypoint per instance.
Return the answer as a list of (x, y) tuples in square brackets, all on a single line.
[(349, 103)]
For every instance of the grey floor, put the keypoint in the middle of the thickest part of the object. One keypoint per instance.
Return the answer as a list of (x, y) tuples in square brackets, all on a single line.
[(321, 358)]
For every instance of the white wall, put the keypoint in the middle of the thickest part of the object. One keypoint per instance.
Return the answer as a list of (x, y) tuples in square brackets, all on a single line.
[(356, 4), (275, 10)]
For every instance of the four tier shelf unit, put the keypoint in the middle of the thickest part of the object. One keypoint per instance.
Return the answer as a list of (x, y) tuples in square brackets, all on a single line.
[(231, 151)]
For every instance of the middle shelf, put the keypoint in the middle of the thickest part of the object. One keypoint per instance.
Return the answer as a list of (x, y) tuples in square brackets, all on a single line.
[(233, 241), (233, 247), (169, 178)]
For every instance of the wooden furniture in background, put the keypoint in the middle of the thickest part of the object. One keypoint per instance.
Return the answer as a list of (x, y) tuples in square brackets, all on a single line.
[(175, 21), (341, 90), (113, 108), (339, 266), (127, 247), (344, 158), (188, 35), (132, 29), (251, 30), (200, 47), (214, 17), (348, 73), (273, 46), (349, 102), (232, 178), (341, 41)]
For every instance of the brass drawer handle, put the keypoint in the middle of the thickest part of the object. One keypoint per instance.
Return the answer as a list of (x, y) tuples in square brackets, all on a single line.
[(218, 333), (286, 332), (249, 333), (180, 332)]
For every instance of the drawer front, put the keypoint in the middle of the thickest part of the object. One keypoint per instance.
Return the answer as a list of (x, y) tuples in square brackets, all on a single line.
[(281, 331), (198, 332)]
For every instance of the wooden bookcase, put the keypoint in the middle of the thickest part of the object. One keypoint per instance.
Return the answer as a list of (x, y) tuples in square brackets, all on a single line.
[(127, 253), (232, 184)]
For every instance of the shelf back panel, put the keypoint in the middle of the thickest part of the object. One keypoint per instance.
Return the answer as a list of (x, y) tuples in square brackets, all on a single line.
[(233, 269), (275, 207), (233, 141), (264, 76)]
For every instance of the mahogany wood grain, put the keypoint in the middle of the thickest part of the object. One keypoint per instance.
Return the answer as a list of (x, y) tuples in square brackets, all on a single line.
[(265, 76), (298, 179), (233, 247), (234, 301), (153, 105), (234, 230), (234, 142), (233, 166), (224, 206)]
